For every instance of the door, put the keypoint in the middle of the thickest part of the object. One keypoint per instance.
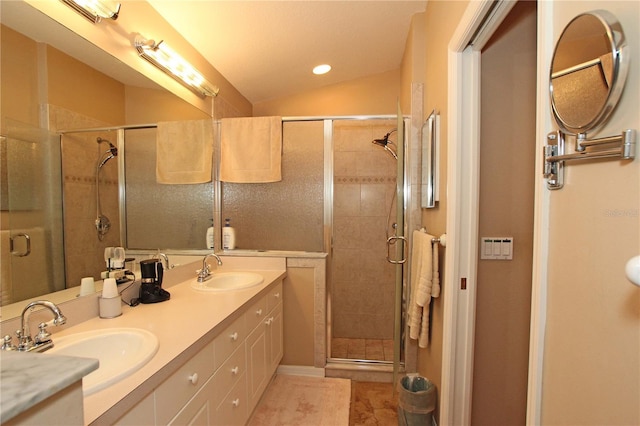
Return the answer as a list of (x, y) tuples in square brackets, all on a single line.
[(32, 246)]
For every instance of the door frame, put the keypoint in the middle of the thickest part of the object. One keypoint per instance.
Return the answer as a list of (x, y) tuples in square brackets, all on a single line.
[(476, 26)]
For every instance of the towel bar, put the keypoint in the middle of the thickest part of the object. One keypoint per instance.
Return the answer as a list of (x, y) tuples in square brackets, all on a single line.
[(442, 240)]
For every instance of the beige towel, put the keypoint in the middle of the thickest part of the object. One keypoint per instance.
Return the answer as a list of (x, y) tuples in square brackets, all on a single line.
[(425, 284), (184, 152), (435, 285), (421, 278), (251, 149)]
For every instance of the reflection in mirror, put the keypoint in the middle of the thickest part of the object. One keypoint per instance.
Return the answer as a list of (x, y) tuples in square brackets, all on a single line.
[(75, 96), (587, 71)]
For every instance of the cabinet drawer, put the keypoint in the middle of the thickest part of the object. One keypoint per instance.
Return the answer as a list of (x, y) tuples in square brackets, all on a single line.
[(229, 340), (274, 297), (200, 410), (256, 313), (228, 375), (174, 392), (233, 409)]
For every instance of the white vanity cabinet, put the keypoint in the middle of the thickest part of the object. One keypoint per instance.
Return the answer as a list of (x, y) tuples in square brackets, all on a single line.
[(223, 382)]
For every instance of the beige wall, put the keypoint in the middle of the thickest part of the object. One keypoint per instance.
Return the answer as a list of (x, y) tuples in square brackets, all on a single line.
[(440, 21), (507, 159), (591, 367), (166, 107), (374, 95), (76, 86), (19, 90)]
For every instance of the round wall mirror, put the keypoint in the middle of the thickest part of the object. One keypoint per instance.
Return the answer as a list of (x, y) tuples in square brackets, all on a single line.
[(588, 71)]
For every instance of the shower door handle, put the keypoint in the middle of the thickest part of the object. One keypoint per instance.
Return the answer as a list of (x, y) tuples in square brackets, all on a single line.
[(392, 240), (27, 251)]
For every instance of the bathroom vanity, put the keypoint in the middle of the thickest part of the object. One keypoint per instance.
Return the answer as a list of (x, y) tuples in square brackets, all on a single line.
[(217, 353)]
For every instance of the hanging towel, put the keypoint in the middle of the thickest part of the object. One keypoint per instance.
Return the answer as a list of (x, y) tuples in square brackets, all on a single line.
[(435, 285), (251, 149), (421, 258), (184, 152)]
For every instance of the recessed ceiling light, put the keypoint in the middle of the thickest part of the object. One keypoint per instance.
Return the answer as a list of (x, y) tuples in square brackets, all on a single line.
[(322, 69)]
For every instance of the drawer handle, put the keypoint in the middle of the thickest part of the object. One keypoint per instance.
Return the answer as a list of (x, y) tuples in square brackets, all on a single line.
[(277, 295), (259, 312), (235, 370), (236, 402), (269, 321), (234, 336), (193, 378)]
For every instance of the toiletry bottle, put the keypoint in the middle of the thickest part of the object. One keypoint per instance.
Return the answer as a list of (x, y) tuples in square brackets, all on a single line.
[(228, 236), (210, 236)]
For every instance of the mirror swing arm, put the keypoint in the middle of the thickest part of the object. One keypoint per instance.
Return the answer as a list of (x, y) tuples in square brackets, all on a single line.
[(586, 149), (587, 77)]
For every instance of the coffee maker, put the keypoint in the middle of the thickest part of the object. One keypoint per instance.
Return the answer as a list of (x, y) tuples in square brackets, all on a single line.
[(151, 290)]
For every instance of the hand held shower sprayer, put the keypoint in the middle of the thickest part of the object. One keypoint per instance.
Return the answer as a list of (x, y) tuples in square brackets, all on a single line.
[(102, 222)]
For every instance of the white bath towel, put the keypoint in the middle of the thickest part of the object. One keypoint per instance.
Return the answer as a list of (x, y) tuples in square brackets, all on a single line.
[(184, 152), (421, 279), (251, 149), (425, 284)]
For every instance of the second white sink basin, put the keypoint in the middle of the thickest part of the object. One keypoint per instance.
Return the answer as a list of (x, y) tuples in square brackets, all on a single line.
[(120, 351), (225, 281)]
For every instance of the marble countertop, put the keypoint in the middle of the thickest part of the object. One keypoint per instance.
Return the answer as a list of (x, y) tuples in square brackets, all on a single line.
[(29, 378)]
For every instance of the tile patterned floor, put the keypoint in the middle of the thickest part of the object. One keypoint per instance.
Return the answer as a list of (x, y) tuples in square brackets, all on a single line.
[(373, 403), (370, 349)]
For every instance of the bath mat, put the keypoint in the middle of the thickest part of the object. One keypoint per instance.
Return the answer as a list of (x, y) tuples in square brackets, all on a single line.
[(301, 401)]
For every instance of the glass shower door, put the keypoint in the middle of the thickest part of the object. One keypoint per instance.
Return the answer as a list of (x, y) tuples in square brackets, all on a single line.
[(32, 244), (362, 285)]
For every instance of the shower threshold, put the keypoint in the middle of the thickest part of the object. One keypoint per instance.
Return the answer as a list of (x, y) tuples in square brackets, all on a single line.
[(361, 370)]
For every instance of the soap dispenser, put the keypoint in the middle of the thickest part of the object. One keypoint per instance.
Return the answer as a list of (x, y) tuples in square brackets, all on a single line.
[(228, 236), (210, 236)]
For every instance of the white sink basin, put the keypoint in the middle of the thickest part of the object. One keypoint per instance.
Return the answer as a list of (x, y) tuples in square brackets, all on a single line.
[(120, 351), (226, 281)]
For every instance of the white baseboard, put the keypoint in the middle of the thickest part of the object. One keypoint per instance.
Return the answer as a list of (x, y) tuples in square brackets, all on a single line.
[(300, 370)]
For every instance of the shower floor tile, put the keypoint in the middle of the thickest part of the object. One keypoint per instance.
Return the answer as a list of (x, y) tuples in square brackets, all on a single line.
[(370, 349)]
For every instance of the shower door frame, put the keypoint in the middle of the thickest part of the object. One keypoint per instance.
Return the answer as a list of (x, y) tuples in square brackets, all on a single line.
[(399, 359)]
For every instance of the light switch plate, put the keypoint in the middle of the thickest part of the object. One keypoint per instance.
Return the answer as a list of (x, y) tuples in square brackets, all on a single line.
[(496, 248)]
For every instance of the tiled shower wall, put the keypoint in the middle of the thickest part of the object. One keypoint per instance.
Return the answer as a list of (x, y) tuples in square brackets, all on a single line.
[(363, 282), (84, 253)]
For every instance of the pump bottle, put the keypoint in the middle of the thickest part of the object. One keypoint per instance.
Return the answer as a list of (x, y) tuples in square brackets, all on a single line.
[(228, 236)]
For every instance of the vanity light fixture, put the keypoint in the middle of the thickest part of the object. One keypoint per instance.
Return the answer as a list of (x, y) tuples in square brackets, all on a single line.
[(165, 58), (322, 69), (95, 10)]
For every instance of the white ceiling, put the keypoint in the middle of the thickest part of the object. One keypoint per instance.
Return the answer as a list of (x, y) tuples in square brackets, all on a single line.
[(267, 49)]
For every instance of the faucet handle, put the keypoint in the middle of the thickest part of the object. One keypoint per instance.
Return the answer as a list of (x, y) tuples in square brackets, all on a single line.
[(24, 341), (7, 344), (43, 335)]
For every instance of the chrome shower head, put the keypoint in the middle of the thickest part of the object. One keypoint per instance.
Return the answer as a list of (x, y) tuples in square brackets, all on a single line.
[(113, 150), (386, 144)]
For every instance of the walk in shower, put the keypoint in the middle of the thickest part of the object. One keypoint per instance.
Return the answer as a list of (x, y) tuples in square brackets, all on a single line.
[(340, 194), (362, 288)]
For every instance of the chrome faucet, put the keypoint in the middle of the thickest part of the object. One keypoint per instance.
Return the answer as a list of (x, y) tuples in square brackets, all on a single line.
[(42, 341), (204, 274), (164, 257)]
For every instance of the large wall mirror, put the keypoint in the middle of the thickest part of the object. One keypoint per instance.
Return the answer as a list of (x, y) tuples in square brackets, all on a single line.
[(588, 71), (59, 81)]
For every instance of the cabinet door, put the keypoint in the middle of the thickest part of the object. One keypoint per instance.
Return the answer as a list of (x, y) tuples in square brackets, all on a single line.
[(200, 409), (274, 338), (233, 410), (257, 355)]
